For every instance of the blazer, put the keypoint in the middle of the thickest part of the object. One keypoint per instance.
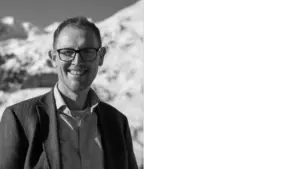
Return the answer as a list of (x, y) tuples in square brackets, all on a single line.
[(29, 136)]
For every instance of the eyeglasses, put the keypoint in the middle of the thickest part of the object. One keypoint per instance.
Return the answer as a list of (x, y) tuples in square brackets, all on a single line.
[(86, 54)]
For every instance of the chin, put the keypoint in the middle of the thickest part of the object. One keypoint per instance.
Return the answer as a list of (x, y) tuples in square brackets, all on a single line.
[(78, 88)]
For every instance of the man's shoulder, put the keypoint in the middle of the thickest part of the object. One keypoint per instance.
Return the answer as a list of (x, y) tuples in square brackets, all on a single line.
[(25, 108), (25, 104), (110, 111)]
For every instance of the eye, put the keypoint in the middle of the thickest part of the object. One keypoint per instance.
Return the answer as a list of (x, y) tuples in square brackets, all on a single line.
[(67, 52), (87, 51)]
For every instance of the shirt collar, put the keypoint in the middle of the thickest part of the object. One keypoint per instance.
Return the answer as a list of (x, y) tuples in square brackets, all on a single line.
[(60, 103), (94, 99)]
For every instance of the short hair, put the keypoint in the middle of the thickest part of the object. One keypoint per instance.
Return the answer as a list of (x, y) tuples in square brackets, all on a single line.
[(80, 22)]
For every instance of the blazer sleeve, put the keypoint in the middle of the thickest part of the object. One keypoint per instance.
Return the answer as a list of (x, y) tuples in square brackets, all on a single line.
[(132, 164), (13, 142)]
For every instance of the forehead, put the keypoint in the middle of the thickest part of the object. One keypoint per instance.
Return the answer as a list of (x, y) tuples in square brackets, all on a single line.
[(73, 37)]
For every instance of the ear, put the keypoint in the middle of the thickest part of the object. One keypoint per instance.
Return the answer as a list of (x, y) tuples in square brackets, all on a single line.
[(101, 54), (52, 57)]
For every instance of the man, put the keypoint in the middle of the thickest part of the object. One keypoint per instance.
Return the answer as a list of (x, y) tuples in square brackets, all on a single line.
[(69, 127)]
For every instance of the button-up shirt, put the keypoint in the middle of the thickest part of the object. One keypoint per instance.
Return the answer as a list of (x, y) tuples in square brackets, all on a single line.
[(79, 138)]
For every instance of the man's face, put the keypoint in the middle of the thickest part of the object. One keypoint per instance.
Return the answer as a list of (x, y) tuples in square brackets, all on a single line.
[(76, 75)]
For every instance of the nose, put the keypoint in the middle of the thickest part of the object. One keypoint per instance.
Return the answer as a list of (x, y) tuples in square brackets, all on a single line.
[(77, 59)]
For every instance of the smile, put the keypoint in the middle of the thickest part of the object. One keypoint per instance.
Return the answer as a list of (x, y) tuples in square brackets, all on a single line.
[(77, 72)]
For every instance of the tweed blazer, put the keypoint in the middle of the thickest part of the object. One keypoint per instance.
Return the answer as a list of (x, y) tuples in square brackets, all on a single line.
[(29, 136)]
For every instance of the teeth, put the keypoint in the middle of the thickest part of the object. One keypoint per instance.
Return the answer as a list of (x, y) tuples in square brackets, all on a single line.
[(77, 72)]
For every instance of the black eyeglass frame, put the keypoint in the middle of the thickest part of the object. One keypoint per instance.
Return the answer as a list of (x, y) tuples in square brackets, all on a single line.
[(77, 51)]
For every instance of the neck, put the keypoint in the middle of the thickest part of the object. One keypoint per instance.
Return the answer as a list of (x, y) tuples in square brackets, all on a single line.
[(75, 100)]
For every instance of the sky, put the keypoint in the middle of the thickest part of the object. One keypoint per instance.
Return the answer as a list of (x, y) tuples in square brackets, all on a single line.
[(44, 12)]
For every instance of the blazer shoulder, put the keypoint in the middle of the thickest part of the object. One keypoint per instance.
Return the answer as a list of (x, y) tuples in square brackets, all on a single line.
[(25, 105), (25, 109), (111, 111)]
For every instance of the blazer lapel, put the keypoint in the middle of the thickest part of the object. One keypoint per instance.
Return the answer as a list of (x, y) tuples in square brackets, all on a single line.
[(109, 138), (48, 118), (105, 144)]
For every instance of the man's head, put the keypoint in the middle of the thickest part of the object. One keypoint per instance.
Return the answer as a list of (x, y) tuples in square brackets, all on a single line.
[(77, 22), (76, 54)]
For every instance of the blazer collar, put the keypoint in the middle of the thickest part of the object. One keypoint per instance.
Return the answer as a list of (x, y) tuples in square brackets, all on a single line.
[(48, 118)]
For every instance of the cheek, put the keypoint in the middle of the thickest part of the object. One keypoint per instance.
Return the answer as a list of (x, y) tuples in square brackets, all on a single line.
[(93, 71), (92, 74), (61, 69)]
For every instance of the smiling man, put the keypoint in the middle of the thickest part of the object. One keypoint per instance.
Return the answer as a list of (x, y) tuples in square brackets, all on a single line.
[(69, 127)]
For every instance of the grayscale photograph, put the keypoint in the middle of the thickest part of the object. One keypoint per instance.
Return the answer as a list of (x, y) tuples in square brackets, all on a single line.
[(72, 84)]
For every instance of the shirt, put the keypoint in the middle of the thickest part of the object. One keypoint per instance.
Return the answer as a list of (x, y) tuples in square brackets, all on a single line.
[(79, 138)]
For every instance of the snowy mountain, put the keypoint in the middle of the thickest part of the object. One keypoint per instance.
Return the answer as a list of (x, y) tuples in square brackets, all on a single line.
[(10, 28), (25, 70)]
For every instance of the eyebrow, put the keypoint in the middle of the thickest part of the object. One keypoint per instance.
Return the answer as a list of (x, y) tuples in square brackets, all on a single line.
[(78, 49)]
